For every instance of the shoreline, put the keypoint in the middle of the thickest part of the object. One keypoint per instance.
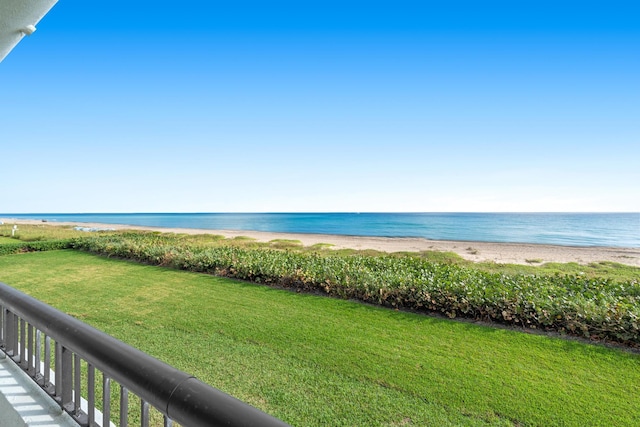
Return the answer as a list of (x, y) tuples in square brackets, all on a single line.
[(501, 253)]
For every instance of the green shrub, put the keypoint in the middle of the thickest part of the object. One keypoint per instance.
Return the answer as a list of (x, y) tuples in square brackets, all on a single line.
[(36, 246), (595, 308)]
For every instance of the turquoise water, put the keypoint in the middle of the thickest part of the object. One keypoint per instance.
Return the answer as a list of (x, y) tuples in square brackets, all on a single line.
[(570, 229)]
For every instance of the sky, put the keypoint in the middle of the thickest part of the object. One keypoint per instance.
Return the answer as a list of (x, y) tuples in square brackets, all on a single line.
[(324, 106)]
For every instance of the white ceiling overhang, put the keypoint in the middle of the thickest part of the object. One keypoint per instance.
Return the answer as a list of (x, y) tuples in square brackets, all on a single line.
[(19, 18)]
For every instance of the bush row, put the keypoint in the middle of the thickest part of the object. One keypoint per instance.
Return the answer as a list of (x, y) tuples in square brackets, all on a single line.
[(595, 308), (50, 245)]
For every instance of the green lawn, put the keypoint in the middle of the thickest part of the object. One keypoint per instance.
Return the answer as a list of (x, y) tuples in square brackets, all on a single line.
[(7, 240), (316, 361)]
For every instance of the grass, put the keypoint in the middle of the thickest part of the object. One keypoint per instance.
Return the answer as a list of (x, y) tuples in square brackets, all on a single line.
[(32, 233), (603, 269), (321, 246), (285, 243), (315, 361)]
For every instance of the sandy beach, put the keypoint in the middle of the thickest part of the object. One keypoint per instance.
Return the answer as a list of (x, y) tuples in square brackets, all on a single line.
[(506, 253)]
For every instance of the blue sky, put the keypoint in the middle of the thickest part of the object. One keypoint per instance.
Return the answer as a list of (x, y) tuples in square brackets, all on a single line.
[(206, 106)]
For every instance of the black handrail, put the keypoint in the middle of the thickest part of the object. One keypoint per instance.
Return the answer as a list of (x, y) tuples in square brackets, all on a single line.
[(176, 394)]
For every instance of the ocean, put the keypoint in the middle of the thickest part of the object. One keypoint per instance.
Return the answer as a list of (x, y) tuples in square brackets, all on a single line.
[(568, 229)]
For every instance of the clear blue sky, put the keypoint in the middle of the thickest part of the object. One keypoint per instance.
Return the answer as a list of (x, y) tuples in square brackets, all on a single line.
[(247, 106)]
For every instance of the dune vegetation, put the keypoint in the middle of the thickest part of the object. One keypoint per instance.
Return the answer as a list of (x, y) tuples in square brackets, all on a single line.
[(317, 361), (597, 307)]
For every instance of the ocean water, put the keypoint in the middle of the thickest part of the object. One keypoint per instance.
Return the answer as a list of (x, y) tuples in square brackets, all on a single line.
[(569, 229)]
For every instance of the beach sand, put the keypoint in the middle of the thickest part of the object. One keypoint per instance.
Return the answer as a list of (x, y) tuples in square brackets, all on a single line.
[(505, 253)]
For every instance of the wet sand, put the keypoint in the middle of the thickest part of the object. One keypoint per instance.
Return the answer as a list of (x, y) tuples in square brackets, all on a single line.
[(505, 253)]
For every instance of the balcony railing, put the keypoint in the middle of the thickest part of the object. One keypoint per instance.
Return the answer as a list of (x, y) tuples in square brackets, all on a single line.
[(36, 336)]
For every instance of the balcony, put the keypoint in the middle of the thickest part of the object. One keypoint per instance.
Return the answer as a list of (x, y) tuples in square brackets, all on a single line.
[(89, 369), (23, 402)]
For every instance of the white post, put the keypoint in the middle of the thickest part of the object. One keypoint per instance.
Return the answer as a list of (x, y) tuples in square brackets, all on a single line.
[(13, 232)]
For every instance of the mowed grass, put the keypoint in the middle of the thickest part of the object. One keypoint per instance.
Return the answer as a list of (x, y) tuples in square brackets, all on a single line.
[(316, 361)]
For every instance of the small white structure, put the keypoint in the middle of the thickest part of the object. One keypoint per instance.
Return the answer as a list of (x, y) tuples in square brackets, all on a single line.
[(18, 18)]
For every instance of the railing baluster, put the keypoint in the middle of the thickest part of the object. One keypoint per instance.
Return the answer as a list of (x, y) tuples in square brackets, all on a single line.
[(144, 414), (58, 370), (106, 400), (124, 406), (3, 327), (31, 368), (78, 414), (67, 380), (91, 394), (47, 360), (47, 363), (14, 337), (9, 333), (21, 342), (38, 355), (22, 359), (3, 322), (76, 384)]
